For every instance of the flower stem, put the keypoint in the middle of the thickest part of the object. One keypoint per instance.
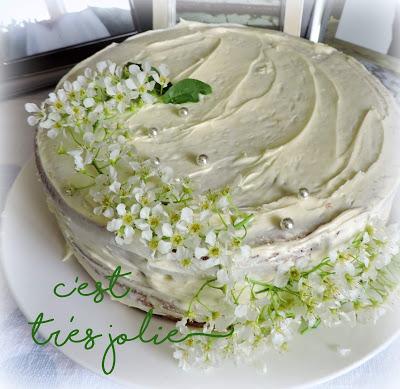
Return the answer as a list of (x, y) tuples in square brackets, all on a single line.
[(94, 164)]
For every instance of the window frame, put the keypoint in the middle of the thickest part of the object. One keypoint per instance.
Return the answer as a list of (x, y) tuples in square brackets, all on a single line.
[(43, 70)]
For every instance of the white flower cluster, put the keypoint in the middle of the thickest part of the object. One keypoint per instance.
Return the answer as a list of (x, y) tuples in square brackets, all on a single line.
[(351, 284), (83, 105), (80, 110), (149, 205), (141, 200)]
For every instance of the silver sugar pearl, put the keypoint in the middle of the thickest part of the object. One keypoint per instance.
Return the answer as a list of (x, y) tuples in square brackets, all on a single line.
[(202, 159), (183, 112), (287, 224), (304, 193), (153, 132), (156, 161)]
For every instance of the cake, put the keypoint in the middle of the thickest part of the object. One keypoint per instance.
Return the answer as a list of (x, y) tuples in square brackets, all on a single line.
[(256, 198)]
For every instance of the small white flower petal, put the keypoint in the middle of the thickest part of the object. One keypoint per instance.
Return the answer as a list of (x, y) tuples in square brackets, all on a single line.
[(52, 134), (52, 97), (101, 66), (129, 232), (114, 225), (114, 154), (111, 91), (164, 247), (89, 102), (147, 98), (166, 230), (141, 77), (89, 137), (135, 208), (211, 238), (131, 84), (145, 212), (112, 67), (141, 224), (121, 209), (109, 212), (200, 252), (187, 215), (31, 107), (33, 120), (134, 69), (222, 276), (115, 187), (62, 95), (147, 235)]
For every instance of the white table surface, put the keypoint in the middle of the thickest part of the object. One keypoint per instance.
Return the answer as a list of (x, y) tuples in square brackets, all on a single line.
[(26, 365)]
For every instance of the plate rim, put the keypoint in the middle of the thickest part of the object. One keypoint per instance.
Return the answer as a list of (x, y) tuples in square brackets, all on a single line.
[(120, 380)]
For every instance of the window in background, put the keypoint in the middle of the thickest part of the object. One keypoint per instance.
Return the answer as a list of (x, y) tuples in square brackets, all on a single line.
[(373, 29), (41, 39), (364, 24), (256, 13), (368, 31), (32, 27)]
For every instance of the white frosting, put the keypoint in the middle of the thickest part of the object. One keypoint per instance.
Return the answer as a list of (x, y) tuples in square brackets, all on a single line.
[(284, 114)]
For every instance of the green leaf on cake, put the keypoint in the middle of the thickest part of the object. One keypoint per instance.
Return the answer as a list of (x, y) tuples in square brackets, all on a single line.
[(185, 91)]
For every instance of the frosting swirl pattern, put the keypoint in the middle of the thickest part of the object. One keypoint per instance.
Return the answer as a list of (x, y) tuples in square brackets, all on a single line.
[(284, 114)]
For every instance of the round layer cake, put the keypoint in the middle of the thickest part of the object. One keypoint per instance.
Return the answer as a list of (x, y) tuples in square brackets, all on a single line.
[(284, 114)]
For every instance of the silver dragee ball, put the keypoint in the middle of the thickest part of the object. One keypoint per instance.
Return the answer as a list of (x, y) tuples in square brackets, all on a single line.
[(287, 223), (202, 159), (304, 193), (157, 161), (183, 112), (153, 131)]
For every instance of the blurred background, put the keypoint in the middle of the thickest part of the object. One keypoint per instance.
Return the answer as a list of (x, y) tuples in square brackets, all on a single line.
[(41, 39)]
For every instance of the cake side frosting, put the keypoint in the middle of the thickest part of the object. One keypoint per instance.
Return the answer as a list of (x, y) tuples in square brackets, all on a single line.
[(284, 114)]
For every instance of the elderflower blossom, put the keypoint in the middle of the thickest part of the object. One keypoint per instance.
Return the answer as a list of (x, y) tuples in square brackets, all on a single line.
[(123, 223), (96, 94), (142, 86), (301, 296), (81, 157), (38, 113), (161, 76)]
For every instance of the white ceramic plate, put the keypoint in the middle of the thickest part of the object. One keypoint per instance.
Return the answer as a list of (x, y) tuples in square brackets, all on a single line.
[(32, 252)]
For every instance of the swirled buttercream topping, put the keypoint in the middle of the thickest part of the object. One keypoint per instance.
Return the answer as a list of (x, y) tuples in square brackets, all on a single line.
[(284, 114)]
